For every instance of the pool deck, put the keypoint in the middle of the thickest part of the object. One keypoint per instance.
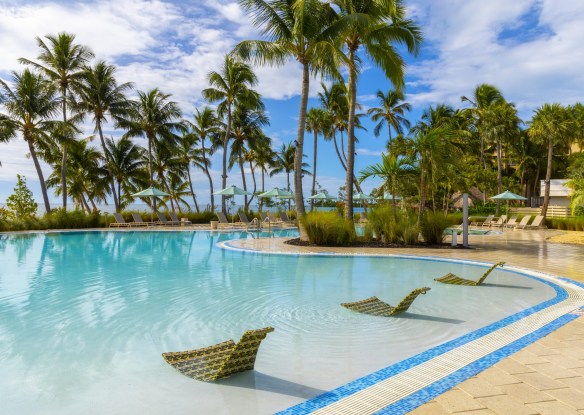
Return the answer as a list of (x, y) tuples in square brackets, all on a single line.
[(547, 376)]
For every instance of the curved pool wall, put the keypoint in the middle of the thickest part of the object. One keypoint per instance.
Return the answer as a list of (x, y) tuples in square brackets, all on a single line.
[(85, 316)]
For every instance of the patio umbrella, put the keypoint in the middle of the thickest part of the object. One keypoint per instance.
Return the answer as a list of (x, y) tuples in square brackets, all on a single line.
[(231, 191), (362, 196), (275, 192), (388, 196), (507, 195), (322, 196), (151, 192)]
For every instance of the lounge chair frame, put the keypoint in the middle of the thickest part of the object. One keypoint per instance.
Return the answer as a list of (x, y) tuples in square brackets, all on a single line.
[(120, 221), (451, 278), (375, 307), (221, 360)]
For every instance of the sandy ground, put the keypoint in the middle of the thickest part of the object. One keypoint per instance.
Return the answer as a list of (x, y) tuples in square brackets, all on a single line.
[(568, 237)]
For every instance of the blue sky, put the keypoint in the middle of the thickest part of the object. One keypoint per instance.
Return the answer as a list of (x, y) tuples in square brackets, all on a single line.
[(530, 49)]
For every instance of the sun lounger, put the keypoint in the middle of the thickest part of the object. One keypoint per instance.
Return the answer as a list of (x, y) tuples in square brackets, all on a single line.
[(138, 221), (223, 221), (376, 307), (120, 221), (175, 218), (245, 220), (511, 222), (537, 223), (264, 217), (165, 221), (221, 360), (487, 221), (523, 222), (285, 218), (274, 220), (500, 222), (453, 279)]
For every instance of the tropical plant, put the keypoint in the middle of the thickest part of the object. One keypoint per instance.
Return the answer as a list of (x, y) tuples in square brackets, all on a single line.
[(21, 203), (30, 105), (392, 112), (231, 86), (62, 61), (318, 123)]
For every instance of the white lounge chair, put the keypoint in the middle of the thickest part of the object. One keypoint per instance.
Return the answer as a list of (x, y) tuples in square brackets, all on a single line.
[(500, 222), (511, 222), (523, 222), (537, 223)]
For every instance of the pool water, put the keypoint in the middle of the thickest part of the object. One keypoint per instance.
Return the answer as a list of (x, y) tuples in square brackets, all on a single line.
[(85, 316)]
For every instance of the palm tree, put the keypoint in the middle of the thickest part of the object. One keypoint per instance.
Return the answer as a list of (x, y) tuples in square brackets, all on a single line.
[(100, 95), (231, 86), (264, 158), (317, 122), (205, 125), (127, 167), (375, 26), (296, 29), (285, 162), (188, 153), (62, 61), (155, 117), (392, 170), (391, 112), (551, 127), (30, 106)]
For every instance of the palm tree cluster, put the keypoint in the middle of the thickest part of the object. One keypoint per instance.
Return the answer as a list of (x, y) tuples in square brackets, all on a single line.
[(47, 103), (483, 145)]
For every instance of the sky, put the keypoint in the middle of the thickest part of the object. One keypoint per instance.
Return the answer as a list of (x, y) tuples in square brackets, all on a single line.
[(530, 49)]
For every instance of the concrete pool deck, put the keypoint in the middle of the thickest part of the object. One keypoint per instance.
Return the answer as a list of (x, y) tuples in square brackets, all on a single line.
[(547, 376)]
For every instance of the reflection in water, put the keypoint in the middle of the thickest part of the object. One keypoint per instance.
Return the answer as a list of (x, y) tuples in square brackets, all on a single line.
[(85, 311)]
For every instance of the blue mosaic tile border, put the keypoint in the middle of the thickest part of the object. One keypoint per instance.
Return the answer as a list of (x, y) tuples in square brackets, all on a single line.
[(371, 379)]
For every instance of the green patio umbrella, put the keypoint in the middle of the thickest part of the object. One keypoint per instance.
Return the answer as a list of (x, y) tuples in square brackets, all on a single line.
[(388, 196), (232, 191), (151, 192), (362, 196), (507, 195), (275, 192), (322, 196)]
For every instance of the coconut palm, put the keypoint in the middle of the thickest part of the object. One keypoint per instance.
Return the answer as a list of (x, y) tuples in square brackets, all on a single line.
[(204, 126), (155, 117), (62, 61), (229, 87), (128, 167), (188, 153), (376, 27), (318, 123), (391, 112), (392, 171), (101, 96), (550, 126), (30, 105), (296, 29), (285, 162)]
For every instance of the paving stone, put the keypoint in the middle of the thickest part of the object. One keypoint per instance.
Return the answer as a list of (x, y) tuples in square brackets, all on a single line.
[(577, 383), (480, 388), (553, 408), (479, 412), (513, 367), (540, 381), (569, 396), (498, 377), (524, 393), (564, 361), (505, 405), (554, 371), (527, 358), (541, 350), (431, 408), (457, 401)]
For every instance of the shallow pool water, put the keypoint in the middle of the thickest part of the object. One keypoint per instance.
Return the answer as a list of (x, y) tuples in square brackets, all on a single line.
[(84, 317)]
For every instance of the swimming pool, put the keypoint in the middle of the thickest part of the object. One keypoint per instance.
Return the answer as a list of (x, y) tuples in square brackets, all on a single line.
[(84, 317)]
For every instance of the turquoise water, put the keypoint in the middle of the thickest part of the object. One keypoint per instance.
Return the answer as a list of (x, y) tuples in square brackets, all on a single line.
[(84, 318)]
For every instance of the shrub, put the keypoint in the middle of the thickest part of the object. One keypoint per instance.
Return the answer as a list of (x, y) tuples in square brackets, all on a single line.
[(21, 203), (432, 227), (329, 229), (205, 216), (404, 231)]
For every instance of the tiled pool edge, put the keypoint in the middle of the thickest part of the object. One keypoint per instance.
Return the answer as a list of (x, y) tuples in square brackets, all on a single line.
[(425, 394)]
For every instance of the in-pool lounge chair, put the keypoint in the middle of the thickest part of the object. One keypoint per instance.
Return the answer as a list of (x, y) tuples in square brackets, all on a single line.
[(376, 307), (175, 218), (500, 222), (450, 278), (536, 224), (138, 221), (511, 222), (523, 222), (221, 360), (165, 221), (120, 221)]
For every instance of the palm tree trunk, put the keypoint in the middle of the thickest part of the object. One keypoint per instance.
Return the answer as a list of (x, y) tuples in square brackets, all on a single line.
[(499, 176), (351, 136), (548, 177), (107, 163), (314, 171), (165, 183), (254, 183), (288, 188), (84, 204), (225, 143), (192, 190), (243, 181), (338, 152), (64, 158), (422, 193), (37, 166), (393, 204), (208, 174), (298, 196), (343, 146), (150, 173)]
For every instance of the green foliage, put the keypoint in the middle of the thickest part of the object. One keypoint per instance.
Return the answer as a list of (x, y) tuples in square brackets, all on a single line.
[(200, 217), (482, 209), (433, 226), (329, 229), (57, 219), (21, 203), (404, 231), (566, 224)]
